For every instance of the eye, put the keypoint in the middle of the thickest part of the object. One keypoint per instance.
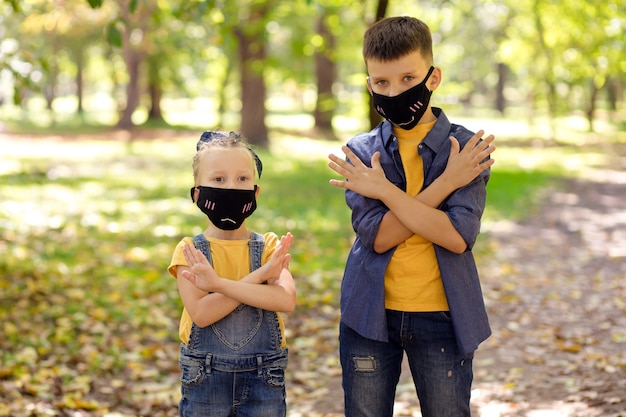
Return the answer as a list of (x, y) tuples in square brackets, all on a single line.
[(218, 179), (408, 78), (381, 83), (243, 178)]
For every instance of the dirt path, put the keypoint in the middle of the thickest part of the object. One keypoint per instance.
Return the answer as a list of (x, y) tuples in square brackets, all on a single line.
[(556, 293)]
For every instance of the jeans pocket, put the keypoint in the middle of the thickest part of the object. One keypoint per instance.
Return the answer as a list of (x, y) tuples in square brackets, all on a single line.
[(274, 376), (192, 370)]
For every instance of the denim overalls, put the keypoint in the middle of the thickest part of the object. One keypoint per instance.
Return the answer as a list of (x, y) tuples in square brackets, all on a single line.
[(235, 366)]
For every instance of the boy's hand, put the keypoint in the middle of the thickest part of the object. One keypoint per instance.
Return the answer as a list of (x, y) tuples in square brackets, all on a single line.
[(466, 164), (200, 273), (369, 182)]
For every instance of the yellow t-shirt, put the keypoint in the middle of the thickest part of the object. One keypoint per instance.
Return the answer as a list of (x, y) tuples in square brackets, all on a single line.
[(231, 259), (413, 280)]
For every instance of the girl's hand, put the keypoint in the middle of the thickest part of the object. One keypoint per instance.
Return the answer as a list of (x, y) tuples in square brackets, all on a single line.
[(466, 164), (200, 273), (279, 260)]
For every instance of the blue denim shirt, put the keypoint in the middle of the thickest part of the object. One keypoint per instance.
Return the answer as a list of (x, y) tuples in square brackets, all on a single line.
[(363, 289)]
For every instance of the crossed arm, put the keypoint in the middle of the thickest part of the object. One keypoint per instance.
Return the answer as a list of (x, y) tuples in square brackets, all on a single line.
[(209, 297), (407, 214)]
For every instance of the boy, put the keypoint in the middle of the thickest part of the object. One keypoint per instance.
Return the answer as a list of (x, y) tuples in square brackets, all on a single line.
[(410, 283)]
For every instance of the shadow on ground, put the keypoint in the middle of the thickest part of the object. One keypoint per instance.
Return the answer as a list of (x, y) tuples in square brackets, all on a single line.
[(555, 288)]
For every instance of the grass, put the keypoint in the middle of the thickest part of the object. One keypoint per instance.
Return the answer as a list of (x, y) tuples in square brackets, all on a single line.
[(88, 227)]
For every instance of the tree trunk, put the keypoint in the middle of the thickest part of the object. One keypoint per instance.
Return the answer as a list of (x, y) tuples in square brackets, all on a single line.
[(252, 54), (500, 99), (221, 93), (50, 88), (133, 64), (134, 54), (375, 119), (613, 93), (80, 64), (591, 106), (548, 75), (326, 74), (154, 90), (155, 113)]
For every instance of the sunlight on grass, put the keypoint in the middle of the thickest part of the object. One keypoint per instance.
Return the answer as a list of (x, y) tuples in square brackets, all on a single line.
[(88, 228)]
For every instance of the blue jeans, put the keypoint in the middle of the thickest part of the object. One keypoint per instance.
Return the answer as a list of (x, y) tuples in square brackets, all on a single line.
[(371, 369), (225, 386), (236, 366)]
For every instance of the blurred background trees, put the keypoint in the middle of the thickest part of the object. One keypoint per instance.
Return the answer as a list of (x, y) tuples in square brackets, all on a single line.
[(244, 64)]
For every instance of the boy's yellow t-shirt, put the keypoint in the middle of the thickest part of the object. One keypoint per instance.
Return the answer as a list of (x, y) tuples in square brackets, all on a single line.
[(413, 280), (231, 259)]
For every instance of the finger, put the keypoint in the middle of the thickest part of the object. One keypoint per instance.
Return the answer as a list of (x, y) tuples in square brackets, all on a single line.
[(187, 253), (286, 261), (376, 160), (486, 147), (286, 240), (340, 165), (455, 146), (338, 161), (189, 276), (337, 183), (354, 160), (475, 139)]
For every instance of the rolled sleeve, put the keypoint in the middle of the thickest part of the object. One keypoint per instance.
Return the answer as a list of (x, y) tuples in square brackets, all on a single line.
[(366, 217), (465, 208)]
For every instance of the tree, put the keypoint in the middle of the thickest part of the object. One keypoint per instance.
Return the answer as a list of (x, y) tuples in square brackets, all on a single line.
[(326, 75), (381, 11), (252, 55)]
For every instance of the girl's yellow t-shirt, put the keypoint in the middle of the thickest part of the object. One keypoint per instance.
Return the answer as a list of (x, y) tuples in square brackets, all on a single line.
[(413, 280), (231, 259)]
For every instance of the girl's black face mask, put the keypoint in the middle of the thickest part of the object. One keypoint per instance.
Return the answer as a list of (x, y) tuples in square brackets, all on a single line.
[(226, 208), (407, 108)]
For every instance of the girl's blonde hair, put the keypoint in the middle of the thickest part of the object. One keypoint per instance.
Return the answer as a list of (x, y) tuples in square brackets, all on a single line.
[(211, 140)]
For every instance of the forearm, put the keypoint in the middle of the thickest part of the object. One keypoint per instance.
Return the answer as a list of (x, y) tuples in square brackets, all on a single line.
[(213, 307), (419, 218), (266, 296), (392, 231), (206, 308)]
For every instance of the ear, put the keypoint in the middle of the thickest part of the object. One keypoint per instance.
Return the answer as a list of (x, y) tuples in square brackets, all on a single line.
[(256, 192), (369, 85), (434, 80), (195, 194)]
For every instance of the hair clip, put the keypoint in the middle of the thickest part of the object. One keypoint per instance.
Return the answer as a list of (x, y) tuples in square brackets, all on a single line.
[(209, 136)]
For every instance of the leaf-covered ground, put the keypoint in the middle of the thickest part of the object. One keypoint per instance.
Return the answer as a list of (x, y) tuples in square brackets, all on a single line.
[(555, 287), (554, 283)]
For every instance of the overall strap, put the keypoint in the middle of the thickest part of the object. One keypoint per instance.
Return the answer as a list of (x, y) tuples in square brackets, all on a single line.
[(202, 244), (256, 245)]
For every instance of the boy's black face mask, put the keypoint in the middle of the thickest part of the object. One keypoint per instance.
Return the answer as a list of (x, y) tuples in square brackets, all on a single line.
[(407, 108), (226, 208)]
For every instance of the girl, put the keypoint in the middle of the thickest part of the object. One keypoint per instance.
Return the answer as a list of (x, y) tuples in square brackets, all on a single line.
[(232, 283)]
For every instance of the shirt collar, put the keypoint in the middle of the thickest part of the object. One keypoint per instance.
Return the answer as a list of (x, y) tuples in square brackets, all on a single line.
[(432, 139)]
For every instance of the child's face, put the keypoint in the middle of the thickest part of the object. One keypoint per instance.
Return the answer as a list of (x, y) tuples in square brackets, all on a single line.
[(226, 168), (391, 78)]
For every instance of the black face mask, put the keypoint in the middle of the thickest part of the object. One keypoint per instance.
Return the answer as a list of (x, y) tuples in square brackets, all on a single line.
[(407, 108), (226, 208)]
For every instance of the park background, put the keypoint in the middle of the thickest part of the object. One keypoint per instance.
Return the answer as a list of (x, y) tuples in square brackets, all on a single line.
[(102, 101)]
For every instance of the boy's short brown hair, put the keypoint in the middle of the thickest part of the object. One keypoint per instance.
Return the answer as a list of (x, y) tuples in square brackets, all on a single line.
[(394, 37)]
